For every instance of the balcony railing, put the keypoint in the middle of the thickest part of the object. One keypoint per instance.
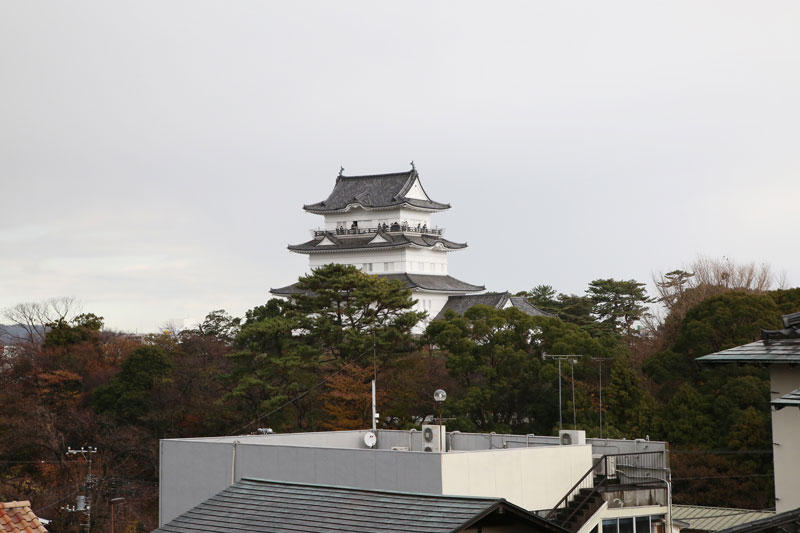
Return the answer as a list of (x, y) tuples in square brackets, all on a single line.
[(390, 228)]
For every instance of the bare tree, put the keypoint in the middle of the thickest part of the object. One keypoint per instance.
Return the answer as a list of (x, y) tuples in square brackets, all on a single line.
[(681, 289), (32, 317)]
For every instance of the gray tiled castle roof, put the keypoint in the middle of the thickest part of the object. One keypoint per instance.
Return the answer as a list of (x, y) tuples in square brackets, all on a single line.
[(261, 506), (430, 282), (373, 191), (498, 300), (362, 242)]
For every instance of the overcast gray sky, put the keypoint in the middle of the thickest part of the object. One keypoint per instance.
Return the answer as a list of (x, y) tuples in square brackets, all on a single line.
[(154, 156)]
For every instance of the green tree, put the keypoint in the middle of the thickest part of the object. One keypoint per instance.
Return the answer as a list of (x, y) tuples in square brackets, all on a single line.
[(544, 297), (220, 325), (726, 321), (288, 350), (618, 304), (626, 403), (495, 356), (129, 397), (343, 312), (65, 332), (578, 310)]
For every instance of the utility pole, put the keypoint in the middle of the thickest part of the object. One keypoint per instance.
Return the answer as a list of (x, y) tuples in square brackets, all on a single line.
[(572, 359), (83, 503)]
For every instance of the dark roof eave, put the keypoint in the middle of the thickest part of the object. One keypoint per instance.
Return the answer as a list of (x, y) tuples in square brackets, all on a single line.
[(435, 206), (775, 352), (308, 247)]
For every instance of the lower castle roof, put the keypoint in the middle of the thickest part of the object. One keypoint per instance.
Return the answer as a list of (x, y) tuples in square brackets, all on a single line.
[(428, 282), (372, 241), (498, 300)]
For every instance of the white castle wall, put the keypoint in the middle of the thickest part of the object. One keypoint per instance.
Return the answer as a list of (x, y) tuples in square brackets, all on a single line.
[(371, 218), (411, 260)]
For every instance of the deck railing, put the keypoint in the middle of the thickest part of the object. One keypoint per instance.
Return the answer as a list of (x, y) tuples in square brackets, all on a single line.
[(390, 228)]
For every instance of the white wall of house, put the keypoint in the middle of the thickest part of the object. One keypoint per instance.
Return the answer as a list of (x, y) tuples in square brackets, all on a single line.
[(785, 436), (533, 478)]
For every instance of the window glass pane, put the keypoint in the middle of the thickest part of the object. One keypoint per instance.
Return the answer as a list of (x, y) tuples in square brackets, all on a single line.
[(610, 526), (642, 524), (626, 525)]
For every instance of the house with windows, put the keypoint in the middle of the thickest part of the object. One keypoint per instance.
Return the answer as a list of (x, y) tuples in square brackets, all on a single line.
[(578, 484), (382, 224)]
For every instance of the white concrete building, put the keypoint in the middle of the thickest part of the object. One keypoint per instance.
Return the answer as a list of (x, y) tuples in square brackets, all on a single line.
[(591, 486), (382, 224), (780, 351)]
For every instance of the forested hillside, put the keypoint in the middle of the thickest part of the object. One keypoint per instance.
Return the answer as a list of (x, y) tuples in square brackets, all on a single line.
[(306, 366)]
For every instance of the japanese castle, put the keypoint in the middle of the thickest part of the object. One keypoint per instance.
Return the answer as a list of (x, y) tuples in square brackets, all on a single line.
[(382, 224)]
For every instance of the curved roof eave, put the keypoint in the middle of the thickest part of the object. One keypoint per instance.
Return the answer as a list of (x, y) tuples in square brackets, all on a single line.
[(408, 205), (376, 246)]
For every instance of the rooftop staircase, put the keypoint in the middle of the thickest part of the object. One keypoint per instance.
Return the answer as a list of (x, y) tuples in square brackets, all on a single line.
[(609, 472), (578, 510)]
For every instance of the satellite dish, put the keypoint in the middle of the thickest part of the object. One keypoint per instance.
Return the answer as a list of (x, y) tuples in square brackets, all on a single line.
[(440, 395), (370, 439)]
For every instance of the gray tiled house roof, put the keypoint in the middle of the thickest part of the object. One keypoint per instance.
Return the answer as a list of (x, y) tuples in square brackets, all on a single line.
[(373, 191), (363, 243), (786, 522), (703, 518), (791, 399), (775, 347), (430, 282), (261, 506), (498, 300), (777, 352)]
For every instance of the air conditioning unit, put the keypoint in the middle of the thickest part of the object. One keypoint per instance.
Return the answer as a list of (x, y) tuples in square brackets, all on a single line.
[(432, 441), (569, 437), (607, 467)]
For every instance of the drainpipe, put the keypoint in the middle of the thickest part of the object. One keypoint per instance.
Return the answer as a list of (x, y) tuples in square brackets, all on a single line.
[(667, 481), (233, 462), (669, 500)]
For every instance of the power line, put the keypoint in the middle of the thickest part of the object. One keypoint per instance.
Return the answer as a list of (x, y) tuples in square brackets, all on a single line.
[(720, 452), (729, 476)]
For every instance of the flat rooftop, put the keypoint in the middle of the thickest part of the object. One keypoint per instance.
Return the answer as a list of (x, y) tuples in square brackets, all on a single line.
[(412, 441)]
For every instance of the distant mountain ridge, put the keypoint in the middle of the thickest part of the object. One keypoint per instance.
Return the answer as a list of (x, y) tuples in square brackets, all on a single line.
[(12, 334)]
